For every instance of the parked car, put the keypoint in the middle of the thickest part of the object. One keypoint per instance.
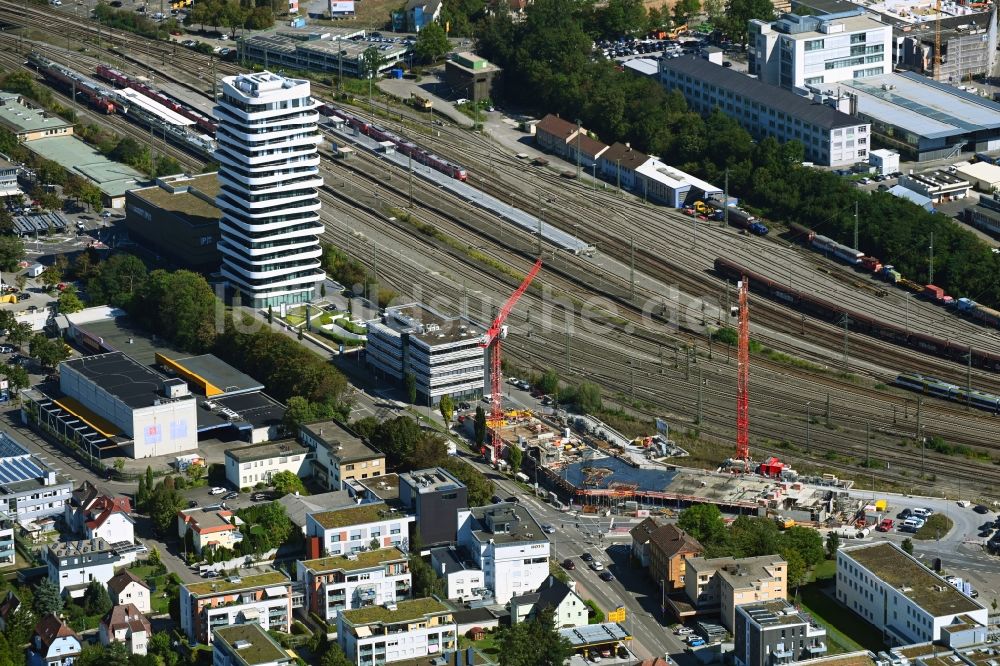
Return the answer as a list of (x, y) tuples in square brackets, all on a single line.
[(217, 491), (886, 525), (596, 566), (23, 296), (192, 504), (979, 508), (6, 349), (696, 641), (684, 631), (606, 576), (587, 557), (230, 496), (512, 500), (569, 564)]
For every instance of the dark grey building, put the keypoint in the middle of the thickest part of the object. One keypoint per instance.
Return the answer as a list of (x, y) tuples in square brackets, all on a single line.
[(178, 220), (774, 632), (435, 497)]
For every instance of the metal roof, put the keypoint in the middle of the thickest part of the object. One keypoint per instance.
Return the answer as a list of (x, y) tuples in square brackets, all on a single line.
[(594, 634), (924, 107)]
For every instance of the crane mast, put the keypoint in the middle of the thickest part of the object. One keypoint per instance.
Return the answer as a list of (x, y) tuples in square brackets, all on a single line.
[(743, 378)]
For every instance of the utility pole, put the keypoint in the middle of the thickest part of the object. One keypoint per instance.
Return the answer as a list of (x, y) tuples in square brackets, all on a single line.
[(920, 404), (808, 426), (578, 132), (827, 409), (855, 225), (619, 163), (847, 364), (725, 206), (930, 264), (215, 96), (700, 382), (340, 62), (968, 381), (632, 268), (540, 209), (409, 173), (868, 445)]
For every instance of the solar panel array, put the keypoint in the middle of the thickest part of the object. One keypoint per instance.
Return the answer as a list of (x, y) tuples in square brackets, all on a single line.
[(917, 107), (21, 468)]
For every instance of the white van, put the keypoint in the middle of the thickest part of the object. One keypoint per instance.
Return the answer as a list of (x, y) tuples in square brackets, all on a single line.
[(920, 513)]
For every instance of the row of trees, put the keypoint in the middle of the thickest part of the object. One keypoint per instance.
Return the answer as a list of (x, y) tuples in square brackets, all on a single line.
[(547, 67), (233, 14), (160, 500), (140, 24), (802, 547)]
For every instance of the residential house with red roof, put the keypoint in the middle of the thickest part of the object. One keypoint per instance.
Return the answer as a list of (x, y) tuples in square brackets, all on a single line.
[(126, 588), (210, 528), (92, 514), (54, 643), (126, 624)]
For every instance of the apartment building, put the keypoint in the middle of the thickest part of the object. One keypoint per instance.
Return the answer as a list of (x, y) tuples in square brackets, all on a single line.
[(463, 579), (900, 596), (774, 632), (339, 455), (507, 544), (442, 353), (669, 550), (434, 496), (249, 465), (73, 565), (247, 645), (797, 51), (268, 178), (359, 527), (830, 137), (721, 584), (386, 634), (264, 598), (355, 580)]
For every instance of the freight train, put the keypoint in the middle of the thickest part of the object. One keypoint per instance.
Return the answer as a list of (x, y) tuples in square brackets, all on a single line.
[(403, 146), (738, 217), (98, 96), (948, 391), (122, 80), (858, 322), (964, 306)]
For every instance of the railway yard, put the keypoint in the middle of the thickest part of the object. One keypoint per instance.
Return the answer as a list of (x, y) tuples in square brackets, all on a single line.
[(642, 316)]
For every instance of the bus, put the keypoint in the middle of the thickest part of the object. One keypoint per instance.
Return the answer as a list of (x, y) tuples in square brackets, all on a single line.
[(421, 103), (180, 4)]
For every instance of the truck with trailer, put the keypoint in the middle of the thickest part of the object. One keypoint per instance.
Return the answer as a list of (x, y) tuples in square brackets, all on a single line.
[(738, 217)]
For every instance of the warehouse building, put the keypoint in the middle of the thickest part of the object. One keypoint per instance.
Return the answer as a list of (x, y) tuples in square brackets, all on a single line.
[(938, 186), (444, 354), (470, 76), (924, 119), (663, 183), (30, 490), (322, 51), (114, 179), (830, 137), (885, 162), (985, 214), (796, 51), (123, 398), (178, 220), (984, 176), (900, 596), (29, 123)]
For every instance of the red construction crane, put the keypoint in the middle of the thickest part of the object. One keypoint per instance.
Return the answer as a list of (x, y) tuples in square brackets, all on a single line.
[(491, 341), (743, 378)]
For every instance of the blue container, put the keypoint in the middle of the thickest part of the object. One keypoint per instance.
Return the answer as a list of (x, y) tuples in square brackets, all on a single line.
[(397, 73)]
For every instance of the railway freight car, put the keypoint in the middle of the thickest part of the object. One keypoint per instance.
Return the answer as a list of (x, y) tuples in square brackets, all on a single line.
[(856, 321), (123, 80), (98, 96)]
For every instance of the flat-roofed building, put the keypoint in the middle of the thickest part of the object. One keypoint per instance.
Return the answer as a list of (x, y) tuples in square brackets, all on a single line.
[(177, 219), (29, 123), (469, 75), (258, 463), (324, 50), (356, 580), (900, 596), (721, 584), (984, 176), (73, 565), (985, 214), (8, 178), (264, 598), (774, 632), (435, 497), (443, 354), (30, 490), (938, 186), (247, 645), (463, 579), (796, 51), (356, 528), (386, 634), (830, 137), (658, 181), (339, 455)]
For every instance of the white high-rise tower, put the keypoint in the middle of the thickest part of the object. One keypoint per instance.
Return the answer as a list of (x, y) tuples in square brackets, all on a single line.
[(268, 175)]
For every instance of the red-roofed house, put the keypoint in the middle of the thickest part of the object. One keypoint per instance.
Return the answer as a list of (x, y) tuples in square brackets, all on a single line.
[(55, 643), (8, 608), (103, 516), (209, 528), (125, 624), (126, 588), (554, 135)]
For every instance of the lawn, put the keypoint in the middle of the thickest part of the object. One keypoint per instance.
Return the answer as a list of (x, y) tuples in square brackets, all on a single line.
[(845, 631), (936, 527), (488, 646), (156, 583)]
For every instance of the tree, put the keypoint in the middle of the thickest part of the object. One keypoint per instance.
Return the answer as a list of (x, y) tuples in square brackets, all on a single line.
[(479, 425), (480, 488), (47, 598), (797, 569), (164, 503), (69, 301), (19, 333), (907, 546), (739, 12), (410, 382), (588, 397), (286, 483), (49, 352), (17, 378), (807, 542), (334, 656), (96, 599), (447, 407), (178, 305), (11, 252), (549, 382), (684, 10), (704, 522), (117, 280), (535, 642), (515, 457), (299, 411), (754, 536), (431, 44), (832, 545), (195, 473), (425, 581), (621, 18)]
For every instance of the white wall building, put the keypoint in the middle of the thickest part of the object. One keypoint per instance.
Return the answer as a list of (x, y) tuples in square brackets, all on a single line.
[(158, 414), (407, 630), (357, 580), (886, 162), (73, 565), (29, 489), (126, 624), (462, 580), (126, 589), (262, 598), (796, 51), (249, 465), (247, 645), (268, 173), (568, 609), (442, 353), (352, 529), (506, 542), (895, 592)]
